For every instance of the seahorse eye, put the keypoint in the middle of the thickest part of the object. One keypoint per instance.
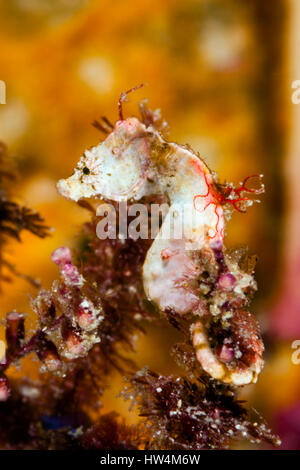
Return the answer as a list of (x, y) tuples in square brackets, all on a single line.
[(86, 171)]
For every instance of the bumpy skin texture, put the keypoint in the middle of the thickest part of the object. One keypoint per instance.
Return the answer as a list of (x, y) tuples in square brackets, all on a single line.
[(190, 275)]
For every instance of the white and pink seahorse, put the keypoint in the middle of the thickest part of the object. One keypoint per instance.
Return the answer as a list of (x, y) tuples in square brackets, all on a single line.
[(135, 161)]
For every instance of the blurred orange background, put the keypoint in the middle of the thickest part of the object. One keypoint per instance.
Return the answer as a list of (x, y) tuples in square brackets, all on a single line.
[(221, 72)]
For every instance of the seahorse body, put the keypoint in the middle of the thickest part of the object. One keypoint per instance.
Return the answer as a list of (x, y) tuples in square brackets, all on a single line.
[(135, 161)]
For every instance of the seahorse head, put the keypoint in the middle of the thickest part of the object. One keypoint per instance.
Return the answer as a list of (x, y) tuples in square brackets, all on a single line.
[(115, 169)]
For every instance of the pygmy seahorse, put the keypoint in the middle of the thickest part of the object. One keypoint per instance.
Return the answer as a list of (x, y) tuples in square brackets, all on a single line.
[(190, 274)]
